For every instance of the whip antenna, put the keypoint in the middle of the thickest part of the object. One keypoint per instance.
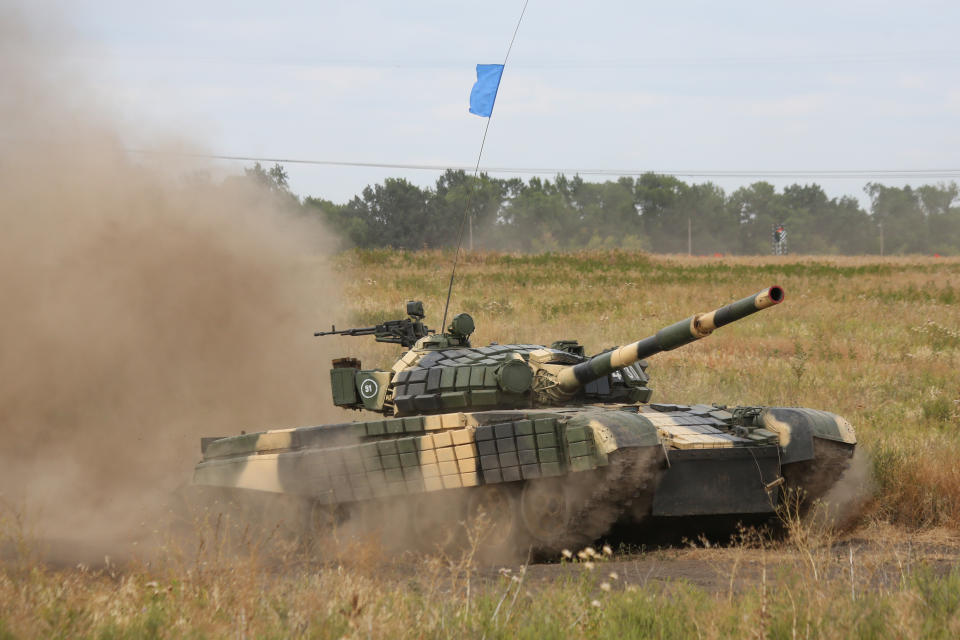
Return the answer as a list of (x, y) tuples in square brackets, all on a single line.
[(476, 169)]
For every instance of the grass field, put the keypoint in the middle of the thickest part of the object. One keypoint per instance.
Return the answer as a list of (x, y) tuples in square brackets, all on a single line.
[(875, 340)]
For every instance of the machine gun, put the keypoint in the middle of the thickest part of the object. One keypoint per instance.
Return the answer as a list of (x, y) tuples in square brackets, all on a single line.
[(404, 332)]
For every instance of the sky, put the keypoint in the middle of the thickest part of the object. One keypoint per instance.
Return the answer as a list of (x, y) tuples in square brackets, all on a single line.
[(692, 87)]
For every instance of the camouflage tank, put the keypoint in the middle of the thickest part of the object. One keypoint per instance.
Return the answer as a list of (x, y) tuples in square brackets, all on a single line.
[(553, 446)]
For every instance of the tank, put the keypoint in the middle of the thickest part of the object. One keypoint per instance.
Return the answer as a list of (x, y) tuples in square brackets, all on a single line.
[(550, 447)]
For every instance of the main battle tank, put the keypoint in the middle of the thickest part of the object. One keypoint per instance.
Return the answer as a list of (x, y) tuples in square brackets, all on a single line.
[(552, 446)]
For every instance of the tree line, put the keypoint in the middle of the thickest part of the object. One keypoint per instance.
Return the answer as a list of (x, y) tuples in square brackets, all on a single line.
[(652, 213)]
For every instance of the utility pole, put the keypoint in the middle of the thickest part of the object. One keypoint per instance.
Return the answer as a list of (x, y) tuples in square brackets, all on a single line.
[(881, 239), (471, 233), (689, 237)]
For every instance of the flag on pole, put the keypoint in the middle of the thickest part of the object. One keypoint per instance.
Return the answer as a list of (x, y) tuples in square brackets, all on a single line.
[(484, 91)]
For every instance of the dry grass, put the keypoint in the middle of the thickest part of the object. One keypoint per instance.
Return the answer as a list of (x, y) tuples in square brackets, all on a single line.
[(805, 587), (872, 339)]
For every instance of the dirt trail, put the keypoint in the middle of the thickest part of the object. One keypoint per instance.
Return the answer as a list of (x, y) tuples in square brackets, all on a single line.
[(874, 559), (876, 562)]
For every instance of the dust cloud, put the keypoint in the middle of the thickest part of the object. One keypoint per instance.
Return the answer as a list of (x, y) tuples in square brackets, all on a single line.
[(846, 500), (141, 307)]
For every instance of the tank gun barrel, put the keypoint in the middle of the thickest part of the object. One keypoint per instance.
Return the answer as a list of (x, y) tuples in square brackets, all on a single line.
[(676, 335)]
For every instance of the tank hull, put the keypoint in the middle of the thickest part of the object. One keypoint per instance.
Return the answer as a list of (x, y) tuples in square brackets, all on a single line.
[(551, 478)]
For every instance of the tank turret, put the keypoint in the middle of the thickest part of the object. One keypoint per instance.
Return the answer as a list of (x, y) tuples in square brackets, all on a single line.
[(442, 372)]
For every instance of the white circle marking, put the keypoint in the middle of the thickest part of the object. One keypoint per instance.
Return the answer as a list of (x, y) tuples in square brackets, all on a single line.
[(369, 388)]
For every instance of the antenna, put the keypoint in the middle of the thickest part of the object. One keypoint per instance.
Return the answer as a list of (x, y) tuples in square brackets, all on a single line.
[(476, 170)]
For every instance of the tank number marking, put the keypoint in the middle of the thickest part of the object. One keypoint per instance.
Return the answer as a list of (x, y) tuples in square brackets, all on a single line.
[(369, 388)]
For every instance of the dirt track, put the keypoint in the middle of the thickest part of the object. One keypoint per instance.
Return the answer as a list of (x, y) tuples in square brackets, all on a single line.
[(875, 561), (879, 558)]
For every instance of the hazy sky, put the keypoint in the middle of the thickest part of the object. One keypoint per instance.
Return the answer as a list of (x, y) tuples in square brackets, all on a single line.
[(715, 86)]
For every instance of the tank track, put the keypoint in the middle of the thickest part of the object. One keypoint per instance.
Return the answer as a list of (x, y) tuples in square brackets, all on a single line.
[(817, 476), (629, 477)]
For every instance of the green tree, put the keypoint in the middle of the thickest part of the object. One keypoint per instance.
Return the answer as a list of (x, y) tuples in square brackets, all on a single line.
[(608, 216), (658, 198), (651, 212), (899, 212), (275, 178), (818, 224), (395, 214), (757, 209), (537, 217), (670, 207), (479, 197), (341, 219), (941, 205), (714, 229)]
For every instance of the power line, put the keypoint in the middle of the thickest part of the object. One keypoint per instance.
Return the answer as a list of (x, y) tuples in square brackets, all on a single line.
[(855, 58), (824, 174)]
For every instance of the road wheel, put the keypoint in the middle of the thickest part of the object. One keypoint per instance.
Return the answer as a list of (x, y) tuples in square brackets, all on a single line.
[(436, 521), (492, 514), (546, 511)]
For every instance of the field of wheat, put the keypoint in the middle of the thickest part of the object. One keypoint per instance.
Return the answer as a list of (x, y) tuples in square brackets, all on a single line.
[(876, 340)]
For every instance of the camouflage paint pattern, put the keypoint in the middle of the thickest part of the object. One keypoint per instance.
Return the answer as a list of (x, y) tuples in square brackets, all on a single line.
[(523, 416), (400, 456)]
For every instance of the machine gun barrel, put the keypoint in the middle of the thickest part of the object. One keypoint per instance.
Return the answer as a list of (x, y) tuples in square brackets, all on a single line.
[(359, 331), (676, 335), (404, 332)]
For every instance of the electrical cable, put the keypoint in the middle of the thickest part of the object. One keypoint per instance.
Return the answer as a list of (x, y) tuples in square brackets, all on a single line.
[(566, 65), (825, 174)]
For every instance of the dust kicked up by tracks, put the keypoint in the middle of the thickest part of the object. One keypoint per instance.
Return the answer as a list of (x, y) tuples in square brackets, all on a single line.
[(141, 308)]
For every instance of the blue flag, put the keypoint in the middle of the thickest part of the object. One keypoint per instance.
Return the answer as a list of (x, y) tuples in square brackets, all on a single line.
[(484, 91)]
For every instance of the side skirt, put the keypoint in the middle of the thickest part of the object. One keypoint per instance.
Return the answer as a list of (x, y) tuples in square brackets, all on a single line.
[(718, 481)]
